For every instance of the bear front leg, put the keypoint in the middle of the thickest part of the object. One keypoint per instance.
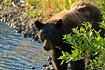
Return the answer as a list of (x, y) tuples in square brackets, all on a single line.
[(56, 53), (78, 65)]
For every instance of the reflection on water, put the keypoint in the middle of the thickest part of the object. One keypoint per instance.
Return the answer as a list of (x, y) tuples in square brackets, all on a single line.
[(18, 53)]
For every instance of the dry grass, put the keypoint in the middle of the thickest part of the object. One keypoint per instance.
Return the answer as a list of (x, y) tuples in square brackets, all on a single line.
[(48, 8)]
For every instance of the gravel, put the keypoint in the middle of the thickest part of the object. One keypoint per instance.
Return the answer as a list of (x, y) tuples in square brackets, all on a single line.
[(16, 16)]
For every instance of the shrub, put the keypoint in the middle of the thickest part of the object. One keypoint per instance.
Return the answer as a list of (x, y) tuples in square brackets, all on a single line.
[(86, 41)]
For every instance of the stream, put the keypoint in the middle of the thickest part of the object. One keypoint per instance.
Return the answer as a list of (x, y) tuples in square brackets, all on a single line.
[(19, 53)]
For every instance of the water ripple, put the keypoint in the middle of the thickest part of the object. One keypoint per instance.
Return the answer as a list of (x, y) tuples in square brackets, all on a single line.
[(19, 53)]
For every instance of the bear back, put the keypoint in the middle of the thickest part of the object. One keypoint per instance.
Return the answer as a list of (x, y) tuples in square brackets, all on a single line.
[(79, 12)]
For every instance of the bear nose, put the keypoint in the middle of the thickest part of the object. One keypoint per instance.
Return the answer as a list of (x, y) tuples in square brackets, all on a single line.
[(46, 48)]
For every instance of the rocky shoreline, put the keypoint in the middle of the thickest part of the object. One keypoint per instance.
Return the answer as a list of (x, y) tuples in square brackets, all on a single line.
[(16, 16)]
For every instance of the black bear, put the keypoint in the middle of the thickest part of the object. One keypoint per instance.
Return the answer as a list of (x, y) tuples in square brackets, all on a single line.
[(50, 32)]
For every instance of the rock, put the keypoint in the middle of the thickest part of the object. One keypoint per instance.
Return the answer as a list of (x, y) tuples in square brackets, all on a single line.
[(23, 5), (10, 15), (43, 68), (14, 20), (33, 67), (32, 36), (36, 37), (45, 65), (50, 63), (8, 20), (11, 25), (25, 34), (5, 20), (18, 19), (52, 68), (5, 15), (16, 1), (18, 31), (49, 59), (47, 68), (0, 17), (22, 1)]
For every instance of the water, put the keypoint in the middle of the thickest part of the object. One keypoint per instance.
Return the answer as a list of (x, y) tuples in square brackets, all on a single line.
[(19, 53)]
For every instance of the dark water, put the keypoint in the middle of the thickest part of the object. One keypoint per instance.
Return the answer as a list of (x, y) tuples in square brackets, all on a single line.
[(19, 53)]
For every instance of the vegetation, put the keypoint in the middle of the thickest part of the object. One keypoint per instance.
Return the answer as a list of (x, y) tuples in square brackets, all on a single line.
[(44, 9), (85, 41), (47, 8)]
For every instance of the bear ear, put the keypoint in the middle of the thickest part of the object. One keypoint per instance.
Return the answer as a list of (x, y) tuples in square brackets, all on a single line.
[(59, 23), (39, 25)]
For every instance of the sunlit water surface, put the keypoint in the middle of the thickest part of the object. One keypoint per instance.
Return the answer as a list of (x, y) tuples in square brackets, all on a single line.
[(19, 53)]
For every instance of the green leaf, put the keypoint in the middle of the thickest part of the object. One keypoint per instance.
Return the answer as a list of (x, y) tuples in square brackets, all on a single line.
[(85, 41), (62, 62)]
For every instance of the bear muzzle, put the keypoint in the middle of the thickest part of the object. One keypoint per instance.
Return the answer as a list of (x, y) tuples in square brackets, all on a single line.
[(47, 48)]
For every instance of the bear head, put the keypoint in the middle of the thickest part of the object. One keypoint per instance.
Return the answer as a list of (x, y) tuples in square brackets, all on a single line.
[(50, 34)]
